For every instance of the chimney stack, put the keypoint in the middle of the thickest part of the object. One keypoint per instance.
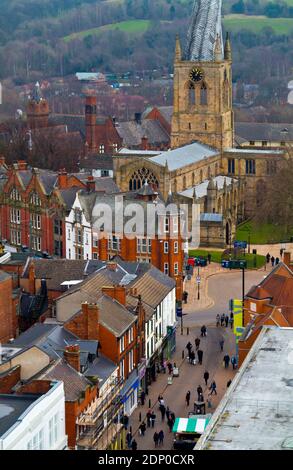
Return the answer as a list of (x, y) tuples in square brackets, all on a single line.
[(62, 179), (91, 184), (31, 278), (287, 258), (92, 326), (90, 122), (21, 165), (116, 292), (72, 356)]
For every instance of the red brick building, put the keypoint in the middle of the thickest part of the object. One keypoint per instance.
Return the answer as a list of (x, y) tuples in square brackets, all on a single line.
[(8, 305), (269, 303)]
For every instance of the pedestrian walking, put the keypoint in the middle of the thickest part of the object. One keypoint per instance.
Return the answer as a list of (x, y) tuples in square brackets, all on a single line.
[(226, 320), (277, 261), (209, 258), (170, 368), (226, 360), (129, 439), (172, 416), (187, 398), (222, 319), (234, 362), (199, 391), (231, 321), (168, 413), (273, 261), (218, 320), (156, 438), (197, 343), (134, 445), (142, 428), (229, 383), (206, 377), (192, 357), (268, 257), (200, 356), (170, 424), (209, 402), (163, 411), (161, 437), (142, 398), (149, 418), (213, 388), (201, 398), (203, 331), (221, 342), (153, 419), (281, 252), (189, 347)]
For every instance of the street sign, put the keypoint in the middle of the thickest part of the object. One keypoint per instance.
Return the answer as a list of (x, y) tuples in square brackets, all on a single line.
[(242, 245), (198, 279)]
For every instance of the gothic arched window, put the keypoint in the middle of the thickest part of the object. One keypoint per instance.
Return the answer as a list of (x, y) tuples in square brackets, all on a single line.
[(203, 95), (191, 94), (140, 176)]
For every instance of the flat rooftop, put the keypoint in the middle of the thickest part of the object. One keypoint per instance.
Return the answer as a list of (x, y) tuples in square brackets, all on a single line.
[(256, 412), (11, 409)]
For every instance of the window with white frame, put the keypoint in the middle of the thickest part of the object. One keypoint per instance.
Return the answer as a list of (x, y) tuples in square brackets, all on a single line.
[(166, 269), (175, 224), (166, 247), (144, 245), (35, 220), (35, 199), (176, 247), (131, 362), (86, 238), (167, 225), (69, 253), (114, 243), (95, 242), (176, 269), (130, 335), (121, 343), (15, 237), (69, 234), (36, 243), (15, 195), (121, 367), (15, 216), (102, 148)]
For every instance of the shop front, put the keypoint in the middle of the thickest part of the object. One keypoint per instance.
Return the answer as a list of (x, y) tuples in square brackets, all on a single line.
[(129, 393)]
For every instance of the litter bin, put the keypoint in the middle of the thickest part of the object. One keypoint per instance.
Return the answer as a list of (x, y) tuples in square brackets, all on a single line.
[(170, 380)]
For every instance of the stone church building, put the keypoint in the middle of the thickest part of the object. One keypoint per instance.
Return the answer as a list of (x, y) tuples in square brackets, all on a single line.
[(204, 165)]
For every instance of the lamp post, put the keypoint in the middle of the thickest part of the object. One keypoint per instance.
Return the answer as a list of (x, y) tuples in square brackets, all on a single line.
[(198, 284)]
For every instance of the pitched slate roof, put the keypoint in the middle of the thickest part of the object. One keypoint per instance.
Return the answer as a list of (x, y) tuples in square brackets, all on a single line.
[(132, 133), (264, 131), (75, 384), (56, 271)]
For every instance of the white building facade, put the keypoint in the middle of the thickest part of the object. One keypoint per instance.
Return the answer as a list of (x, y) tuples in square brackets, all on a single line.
[(41, 425), (78, 233)]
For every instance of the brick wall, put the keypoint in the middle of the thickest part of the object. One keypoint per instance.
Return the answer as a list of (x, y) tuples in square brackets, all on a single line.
[(7, 311), (85, 325), (9, 379)]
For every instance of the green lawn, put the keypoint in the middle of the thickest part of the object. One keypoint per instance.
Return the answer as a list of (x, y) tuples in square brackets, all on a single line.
[(217, 257), (262, 234), (257, 23), (130, 27)]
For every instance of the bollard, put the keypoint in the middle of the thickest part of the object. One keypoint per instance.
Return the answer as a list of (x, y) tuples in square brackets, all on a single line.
[(187, 331), (182, 354), (139, 417), (150, 404)]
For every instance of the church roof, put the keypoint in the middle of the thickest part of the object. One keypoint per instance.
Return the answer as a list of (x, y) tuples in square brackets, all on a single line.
[(184, 156), (204, 27)]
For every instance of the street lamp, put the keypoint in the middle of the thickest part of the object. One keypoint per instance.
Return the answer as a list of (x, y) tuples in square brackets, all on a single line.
[(198, 284)]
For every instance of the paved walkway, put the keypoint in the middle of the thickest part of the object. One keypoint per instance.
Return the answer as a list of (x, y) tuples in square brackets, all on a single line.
[(190, 377)]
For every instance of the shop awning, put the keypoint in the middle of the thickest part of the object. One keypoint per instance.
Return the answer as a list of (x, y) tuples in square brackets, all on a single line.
[(192, 425)]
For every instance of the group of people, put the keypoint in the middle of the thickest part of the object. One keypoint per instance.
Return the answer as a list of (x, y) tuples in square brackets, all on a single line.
[(274, 260), (191, 352), (151, 417), (224, 320), (227, 360)]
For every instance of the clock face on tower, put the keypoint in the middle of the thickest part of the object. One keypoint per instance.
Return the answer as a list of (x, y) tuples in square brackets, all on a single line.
[(196, 74)]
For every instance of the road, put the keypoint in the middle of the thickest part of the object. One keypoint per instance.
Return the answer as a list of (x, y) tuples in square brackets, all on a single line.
[(222, 288)]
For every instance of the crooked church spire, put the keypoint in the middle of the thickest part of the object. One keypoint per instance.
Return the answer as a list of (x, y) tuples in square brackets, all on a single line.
[(205, 27)]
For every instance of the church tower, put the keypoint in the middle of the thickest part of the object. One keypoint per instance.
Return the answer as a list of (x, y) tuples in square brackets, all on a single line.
[(203, 82), (37, 109)]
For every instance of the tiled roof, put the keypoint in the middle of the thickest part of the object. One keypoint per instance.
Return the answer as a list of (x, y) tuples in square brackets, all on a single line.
[(114, 316), (75, 384), (57, 271), (132, 132)]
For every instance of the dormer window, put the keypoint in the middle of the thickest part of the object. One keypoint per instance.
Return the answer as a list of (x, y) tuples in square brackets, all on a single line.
[(35, 199), (15, 195)]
